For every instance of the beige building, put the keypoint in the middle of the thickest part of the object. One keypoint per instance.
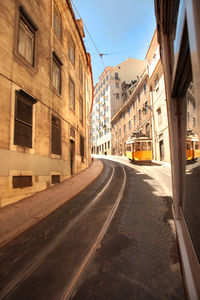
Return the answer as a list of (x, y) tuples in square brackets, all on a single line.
[(134, 116), (108, 98), (46, 95), (160, 134)]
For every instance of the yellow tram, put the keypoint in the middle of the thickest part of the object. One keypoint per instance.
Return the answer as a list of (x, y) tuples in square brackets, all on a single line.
[(139, 149), (192, 147)]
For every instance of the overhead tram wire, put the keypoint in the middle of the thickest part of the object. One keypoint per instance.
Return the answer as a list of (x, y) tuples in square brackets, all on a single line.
[(122, 51), (100, 54)]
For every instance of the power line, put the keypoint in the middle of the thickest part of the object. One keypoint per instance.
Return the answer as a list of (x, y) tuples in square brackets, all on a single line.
[(100, 54), (125, 50)]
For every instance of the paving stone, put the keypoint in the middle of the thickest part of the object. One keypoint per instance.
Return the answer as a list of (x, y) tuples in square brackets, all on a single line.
[(138, 251)]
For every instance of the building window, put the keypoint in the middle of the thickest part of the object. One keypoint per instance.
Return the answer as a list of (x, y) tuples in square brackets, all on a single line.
[(134, 104), (55, 135), (156, 83), (117, 85), (123, 114), (117, 96), (138, 97), (146, 107), (147, 129), (116, 76), (129, 124), (23, 119), (194, 122), (188, 117), (56, 21), (194, 106), (134, 120), (55, 179), (22, 181), (82, 148), (159, 116), (72, 93), (56, 73), (124, 128), (129, 110), (81, 72), (72, 51), (145, 88), (81, 109), (139, 114), (108, 144), (26, 39)]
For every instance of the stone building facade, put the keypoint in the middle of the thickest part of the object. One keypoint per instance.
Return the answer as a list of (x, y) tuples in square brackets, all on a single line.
[(160, 133), (46, 96), (134, 116)]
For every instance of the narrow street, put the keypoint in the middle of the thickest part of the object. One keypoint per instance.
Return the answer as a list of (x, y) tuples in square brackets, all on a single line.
[(114, 240)]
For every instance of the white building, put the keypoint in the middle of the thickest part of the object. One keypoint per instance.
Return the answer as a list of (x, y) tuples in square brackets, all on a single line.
[(108, 100)]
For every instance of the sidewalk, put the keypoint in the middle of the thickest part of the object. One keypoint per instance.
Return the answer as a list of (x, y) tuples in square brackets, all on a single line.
[(17, 217)]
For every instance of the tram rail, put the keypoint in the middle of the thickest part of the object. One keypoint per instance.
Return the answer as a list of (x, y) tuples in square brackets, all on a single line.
[(31, 267)]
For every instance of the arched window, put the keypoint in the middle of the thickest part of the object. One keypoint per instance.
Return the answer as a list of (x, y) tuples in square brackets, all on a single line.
[(147, 128)]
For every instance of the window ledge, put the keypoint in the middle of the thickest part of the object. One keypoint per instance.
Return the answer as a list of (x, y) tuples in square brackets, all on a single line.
[(56, 92), (22, 60), (55, 156), (22, 149)]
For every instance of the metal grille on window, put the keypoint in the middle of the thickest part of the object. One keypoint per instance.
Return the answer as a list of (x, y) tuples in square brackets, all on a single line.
[(82, 147), (23, 122), (22, 181), (56, 136), (55, 179)]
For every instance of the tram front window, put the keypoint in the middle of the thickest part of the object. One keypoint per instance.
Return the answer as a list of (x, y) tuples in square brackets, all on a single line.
[(128, 148), (144, 146), (137, 146), (191, 203), (149, 146)]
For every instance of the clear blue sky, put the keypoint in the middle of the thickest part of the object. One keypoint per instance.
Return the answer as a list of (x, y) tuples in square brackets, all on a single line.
[(124, 26)]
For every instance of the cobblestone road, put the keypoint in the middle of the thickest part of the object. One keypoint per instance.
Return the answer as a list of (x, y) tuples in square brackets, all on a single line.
[(138, 258)]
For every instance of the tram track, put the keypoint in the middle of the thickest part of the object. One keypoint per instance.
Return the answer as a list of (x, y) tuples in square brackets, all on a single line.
[(76, 277), (21, 281)]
